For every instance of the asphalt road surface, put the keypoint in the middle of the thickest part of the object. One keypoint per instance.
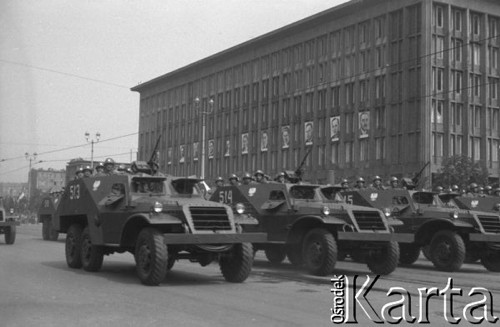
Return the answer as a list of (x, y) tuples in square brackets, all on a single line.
[(38, 289)]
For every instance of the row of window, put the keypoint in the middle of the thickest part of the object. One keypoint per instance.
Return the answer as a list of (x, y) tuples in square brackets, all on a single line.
[(455, 147), (456, 21)]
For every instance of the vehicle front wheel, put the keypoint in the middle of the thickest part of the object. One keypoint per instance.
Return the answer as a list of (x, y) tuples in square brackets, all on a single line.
[(151, 257), (73, 247), (319, 252), (92, 255), (408, 253), (10, 235), (385, 260), (447, 251), (275, 253), (491, 260), (236, 264)]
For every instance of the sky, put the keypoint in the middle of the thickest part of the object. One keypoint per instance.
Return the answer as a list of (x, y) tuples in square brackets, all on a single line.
[(66, 67)]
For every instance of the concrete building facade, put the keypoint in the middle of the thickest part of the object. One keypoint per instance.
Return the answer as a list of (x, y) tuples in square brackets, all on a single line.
[(375, 87)]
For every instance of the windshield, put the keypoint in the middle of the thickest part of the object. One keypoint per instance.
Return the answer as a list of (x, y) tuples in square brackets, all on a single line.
[(303, 192), (186, 186), (426, 198), (332, 194), (145, 185)]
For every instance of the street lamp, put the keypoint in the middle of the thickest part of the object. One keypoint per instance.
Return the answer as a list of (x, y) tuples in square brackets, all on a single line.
[(203, 112), (31, 157), (92, 141)]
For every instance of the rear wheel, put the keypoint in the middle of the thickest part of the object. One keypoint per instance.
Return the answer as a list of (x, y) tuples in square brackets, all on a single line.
[(10, 235), (408, 253), (447, 251), (236, 264), (151, 257), (46, 229), (73, 247), (92, 255), (491, 260), (385, 260), (319, 252), (275, 253)]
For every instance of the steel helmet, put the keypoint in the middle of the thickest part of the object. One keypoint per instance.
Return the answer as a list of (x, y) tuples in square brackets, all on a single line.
[(233, 176), (219, 179), (109, 161), (259, 172), (247, 176), (439, 189), (394, 179), (377, 178), (487, 188), (473, 185), (455, 188), (360, 180), (79, 170), (87, 168)]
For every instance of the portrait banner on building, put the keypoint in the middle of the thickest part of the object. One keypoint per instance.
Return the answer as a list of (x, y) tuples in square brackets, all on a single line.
[(308, 132), (334, 128), (182, 153), (169, 156), (285, 137), (364, 124), (211, 149), (227, 150), (264, 141), (195, 151), (244, 143)]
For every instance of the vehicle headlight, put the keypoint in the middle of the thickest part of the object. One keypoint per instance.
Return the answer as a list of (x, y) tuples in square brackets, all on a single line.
[(387, 212), (240, 208), (11, 210), (325, 211), (158, 207), (454, 214), (497, 207)]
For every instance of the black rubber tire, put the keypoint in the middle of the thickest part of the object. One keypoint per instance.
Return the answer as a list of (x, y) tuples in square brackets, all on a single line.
[(384, 261), (73, 246), (319, 251), (10, 235), (294, 254), (151, 257), (426, 252), (275, 253), (491, 260), (92, 255), (236, 264), (45, 229), (408, 253), (447, 251)]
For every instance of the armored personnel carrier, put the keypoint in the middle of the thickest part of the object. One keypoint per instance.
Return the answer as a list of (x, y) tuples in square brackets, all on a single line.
[(159, 219), (46, 213), (448, 233), (311, 225), (8, 223)]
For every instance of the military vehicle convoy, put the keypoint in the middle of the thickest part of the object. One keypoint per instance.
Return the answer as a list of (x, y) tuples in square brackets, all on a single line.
[(8, 223), (305, 224), (159, 219), (449, 233), (46, 213)]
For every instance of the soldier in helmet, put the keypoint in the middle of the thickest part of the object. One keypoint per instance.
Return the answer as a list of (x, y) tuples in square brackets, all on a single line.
[(219, 182), (439, 189), (79, 173), (247, 179), (260, 177), (87, 171), (345, 184), (488, 190), (473, 190), (377, 183), (234, 180), (497, 191), (109, 167), (281, 178), (360, 183), (394, 182), (99, 169), (455, 189)]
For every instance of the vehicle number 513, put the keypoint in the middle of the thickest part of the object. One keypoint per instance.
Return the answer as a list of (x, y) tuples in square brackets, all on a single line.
[(74, 192)]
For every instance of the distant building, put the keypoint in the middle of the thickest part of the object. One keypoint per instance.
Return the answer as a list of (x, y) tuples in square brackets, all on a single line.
[(376, 87), (12, 189)]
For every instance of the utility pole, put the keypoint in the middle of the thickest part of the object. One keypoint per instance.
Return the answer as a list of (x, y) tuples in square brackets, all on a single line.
[(92, 141), (203, 112)]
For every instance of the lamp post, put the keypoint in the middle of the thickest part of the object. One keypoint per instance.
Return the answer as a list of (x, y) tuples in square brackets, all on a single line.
[(92, 141), (31, 157), (203, 112)]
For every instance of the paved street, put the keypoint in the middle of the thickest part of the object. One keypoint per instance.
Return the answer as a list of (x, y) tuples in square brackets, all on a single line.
[(38, 289)]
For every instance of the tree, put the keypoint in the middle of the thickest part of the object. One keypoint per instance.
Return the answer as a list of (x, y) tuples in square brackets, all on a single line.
[(461, 170)]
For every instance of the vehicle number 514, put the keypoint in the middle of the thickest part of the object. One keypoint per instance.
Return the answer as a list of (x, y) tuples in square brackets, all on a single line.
[(226, 197)]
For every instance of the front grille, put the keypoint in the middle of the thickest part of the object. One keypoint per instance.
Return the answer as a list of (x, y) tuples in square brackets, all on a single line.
[(210, 218), (491, 224), (369, 220)]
